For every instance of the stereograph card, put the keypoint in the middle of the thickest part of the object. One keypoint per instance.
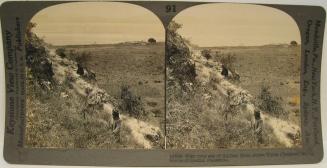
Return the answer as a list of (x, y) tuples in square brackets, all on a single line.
[(161, 83)]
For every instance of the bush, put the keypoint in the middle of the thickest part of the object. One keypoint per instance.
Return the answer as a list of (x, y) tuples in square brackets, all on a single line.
[(179, 65), (130, 103), (269, 103), (61, 52), (206, 53), (37, 60), (82, 58), (228, 60)]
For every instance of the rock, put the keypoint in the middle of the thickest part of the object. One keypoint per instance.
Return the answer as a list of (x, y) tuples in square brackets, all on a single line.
[(63, 94), (153, 137), (97, 97)]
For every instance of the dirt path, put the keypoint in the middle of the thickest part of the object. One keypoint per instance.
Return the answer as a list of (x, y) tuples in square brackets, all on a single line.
[(206, 69), (140, 130)]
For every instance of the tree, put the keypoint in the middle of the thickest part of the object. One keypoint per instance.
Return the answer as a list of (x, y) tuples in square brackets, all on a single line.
[(152, 41), (293, 43)]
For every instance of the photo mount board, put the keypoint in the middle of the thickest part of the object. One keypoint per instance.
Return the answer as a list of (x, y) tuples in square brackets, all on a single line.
[(310, 20)]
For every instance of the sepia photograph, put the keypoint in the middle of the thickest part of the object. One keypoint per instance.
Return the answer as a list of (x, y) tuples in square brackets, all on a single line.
[(227, 77), (162, 83), (233, 78), (95, 77)]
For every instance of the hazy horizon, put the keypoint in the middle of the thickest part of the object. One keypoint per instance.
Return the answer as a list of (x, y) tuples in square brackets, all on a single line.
[(81, 23), (227, 24), (259, 45), (105, 43), (208, 25)]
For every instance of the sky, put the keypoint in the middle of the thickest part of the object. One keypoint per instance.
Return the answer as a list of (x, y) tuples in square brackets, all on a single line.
[(209, 25), (97, 22), (223, 24)]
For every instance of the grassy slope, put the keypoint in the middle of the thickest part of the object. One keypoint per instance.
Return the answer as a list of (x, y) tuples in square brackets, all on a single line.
[(276, 66), (196, 119), (139, 66), (271, 64), (57, 122)]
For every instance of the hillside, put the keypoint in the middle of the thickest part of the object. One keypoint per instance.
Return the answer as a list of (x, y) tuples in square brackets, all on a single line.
[(211, 111), (276, 66), (69, 110), (139, 66)]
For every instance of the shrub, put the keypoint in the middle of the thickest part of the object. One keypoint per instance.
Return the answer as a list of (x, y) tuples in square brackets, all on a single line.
[(37, 58), (61, 52), (270, 103), (72, 54), (82, 58), (130, 103), (228, 60), (179, 63), (206, 53)]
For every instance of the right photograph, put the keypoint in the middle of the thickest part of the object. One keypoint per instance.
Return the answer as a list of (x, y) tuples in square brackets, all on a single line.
[(233, 78)]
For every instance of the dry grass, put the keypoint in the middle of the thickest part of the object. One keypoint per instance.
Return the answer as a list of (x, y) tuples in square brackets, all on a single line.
[(57, 122), (277, 66), (60, 118), (198, 123), (295, 101), (196, 119), (141, 67)]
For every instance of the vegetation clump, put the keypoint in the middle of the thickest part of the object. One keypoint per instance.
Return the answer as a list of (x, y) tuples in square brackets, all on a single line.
[(293, 43), (37, 62), (61, 52), (228, 60), (206, 53), (179, 64), (131, 103), (269, 103), (81, 58), (152, 41)]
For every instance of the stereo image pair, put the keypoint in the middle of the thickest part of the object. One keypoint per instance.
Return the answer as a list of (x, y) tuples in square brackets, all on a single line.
[(111, 75)]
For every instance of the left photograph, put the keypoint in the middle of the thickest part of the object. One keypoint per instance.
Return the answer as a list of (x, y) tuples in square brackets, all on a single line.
[(95, 76)]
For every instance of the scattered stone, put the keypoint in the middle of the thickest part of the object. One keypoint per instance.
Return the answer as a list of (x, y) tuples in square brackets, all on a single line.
[(63, 94)]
